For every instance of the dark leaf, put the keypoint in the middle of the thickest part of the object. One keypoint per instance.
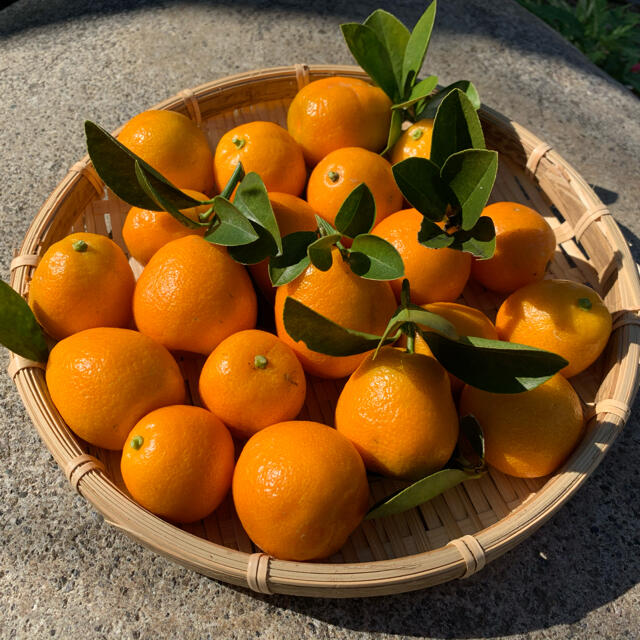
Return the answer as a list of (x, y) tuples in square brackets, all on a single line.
[(456, 127), (420, 492), (433, 236), (252, 200), (325, 228), (431, 105), (479, 241), (394, 36), (357, 213), (470, 174), (294, 259), (395, 129), (229, 228), (420, 182), (417, 46), (493, 365), (255, 251), (470, 448), (420, 91), (19, 330), (323, 335), (374, 258), (371, 54), (115, 164), (319, 251)]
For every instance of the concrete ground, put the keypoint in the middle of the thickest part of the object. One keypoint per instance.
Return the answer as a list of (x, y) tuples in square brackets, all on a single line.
[(65, 573)]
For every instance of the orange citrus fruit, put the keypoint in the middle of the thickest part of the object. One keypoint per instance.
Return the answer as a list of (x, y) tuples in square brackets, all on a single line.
[(82, 281), (173, 145), (561, 316), (333, 113), (524, 245), (252, 380), (267, 149), (145, 231), (104, 380), (340, 172), (527, 434), (467, 321), (342, 296), (300, 489), (192, 295), (177, 462), (414, 142), (292, 214), (398, 412), (435, 275)]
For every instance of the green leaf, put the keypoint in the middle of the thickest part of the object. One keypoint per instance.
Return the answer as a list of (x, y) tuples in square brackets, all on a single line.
[(420, 492), (252, 200), (19, 330), (456, 127), (420, 91), (143, 181), (319, 251), (395, 130), (294, 259), (470, 174), (115, 164), (417, 47), (420, 183), (493, 365), (325, 228), (394, 36), (479, 241), (433, 236), (255, 251), (431, 105), (229, 226), (236, 177), (371, 54), (323, 335), (374, 258), (357, 213)]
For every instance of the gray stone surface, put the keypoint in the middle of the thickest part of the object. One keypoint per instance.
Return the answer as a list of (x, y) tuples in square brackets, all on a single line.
[(64, 572)]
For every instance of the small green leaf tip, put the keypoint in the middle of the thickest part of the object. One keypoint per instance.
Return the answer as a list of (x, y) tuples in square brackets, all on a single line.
[(260, 362), (80, 246), (416, 134), (239, 142), (333, 176), (136, 442), (584, 303)]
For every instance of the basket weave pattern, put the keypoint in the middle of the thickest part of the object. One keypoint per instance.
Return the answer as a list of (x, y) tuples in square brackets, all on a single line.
[(455, 534)]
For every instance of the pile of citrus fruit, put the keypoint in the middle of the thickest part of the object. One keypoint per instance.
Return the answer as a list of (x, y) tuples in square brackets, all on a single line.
[(300, 488)]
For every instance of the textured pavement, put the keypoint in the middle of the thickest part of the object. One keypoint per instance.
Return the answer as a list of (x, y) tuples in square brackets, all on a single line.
[(65, 573)]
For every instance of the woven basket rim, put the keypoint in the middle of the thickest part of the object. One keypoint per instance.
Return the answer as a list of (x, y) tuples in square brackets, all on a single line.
[(326, 579)]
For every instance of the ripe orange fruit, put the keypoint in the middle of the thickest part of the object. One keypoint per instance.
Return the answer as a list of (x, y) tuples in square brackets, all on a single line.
[(435, 275), (178, 462), (82, 281), (173, 145), (267, 149), (252, 380), (467, 322), (104, 380), (340, 172), (398, 412), (300, 489), (292, 214), (524, 245), (145, 231), (342, 296), (333, 113), (414, 142), (192, 295), (561, 316), (527, 434)]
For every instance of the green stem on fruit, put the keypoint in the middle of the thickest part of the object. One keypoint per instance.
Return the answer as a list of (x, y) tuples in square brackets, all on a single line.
[(80, 245), (137, 442), (260, 362)]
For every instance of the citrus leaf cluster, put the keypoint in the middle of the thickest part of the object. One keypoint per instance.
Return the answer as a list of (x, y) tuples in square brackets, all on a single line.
[(368, 256)]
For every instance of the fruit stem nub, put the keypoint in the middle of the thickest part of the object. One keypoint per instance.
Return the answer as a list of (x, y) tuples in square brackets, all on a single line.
[(584, 303), (136, 442), (239, 142), (260, 362), (80, 246), (416, 134), (333, 176)]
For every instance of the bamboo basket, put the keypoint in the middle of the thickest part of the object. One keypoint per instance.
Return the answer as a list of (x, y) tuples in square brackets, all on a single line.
[(457, 533)]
